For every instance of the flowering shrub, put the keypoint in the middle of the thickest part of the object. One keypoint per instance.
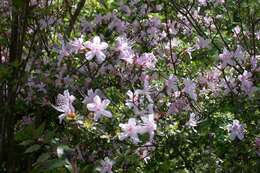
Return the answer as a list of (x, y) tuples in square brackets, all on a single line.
[(130, 86)]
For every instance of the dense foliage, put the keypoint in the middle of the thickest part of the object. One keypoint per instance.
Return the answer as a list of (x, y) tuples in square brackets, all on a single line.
[(129, 86)]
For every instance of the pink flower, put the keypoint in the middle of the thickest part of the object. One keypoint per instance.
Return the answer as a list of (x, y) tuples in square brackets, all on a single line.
[(189, 88), (133, 99), (236, 30), (246, 83), (124, 49), (257, 35), (146, 60), (98, 107), (64, 105), (202, 43), (149, 125), (171, 84), (76, 45), (226, 58), (203, 2), (96, 48), (236, 130), (192, 121), (106, 166), (89, 98), (130, 130)]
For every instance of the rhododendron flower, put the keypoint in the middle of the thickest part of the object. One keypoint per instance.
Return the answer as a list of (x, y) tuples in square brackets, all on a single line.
[(239, 53), (193, 122), (145, 150), (178, 105), (236, 130), (146, 91), (106, 166), (146, 60), (90, 96), (124, 49), (236, 30), (189, 88), (246, 83), (226, 58), (130, 130), (64, 105), (149, 125), (203, 2), (99, 107), (77, 45), (257, 144), (96, 48), (133, 99), (202, 43), (257, 35), (171, 84)]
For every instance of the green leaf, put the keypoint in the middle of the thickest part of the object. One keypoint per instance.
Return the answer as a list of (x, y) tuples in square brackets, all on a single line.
[(43, 157), (32, 148), (26, 142), (38, 132), (52, 164)]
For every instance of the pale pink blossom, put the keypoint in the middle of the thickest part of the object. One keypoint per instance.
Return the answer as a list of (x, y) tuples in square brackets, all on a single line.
[(146, 60), (133, 99), (99, 107), (124, 48), (226, 58), (246, 82), (189, 88), (171, 84), (146, 91), (96, 48), (106, 166), (90, 96), (131, 129), (64, 105), (149, 125), (236, 130), (237, 30), (76, 45), (202, 43), (193, 121)]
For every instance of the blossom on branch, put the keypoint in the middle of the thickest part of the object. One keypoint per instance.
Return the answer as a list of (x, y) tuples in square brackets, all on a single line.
[(96, 48), (236, 130), (106, 166), (99, 108), (131, 130), (64, 105)]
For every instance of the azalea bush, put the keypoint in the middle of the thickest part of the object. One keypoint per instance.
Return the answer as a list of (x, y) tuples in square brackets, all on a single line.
[(130, 86)]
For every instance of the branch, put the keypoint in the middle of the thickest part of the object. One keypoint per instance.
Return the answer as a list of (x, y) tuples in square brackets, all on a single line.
[(74, 17)]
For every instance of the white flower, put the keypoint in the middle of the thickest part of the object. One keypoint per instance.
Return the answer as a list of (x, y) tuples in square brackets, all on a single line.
[(236, 130), (64, 105), (130, 130), (98, 107), (96, 48), (149, 125), (106, 166)]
